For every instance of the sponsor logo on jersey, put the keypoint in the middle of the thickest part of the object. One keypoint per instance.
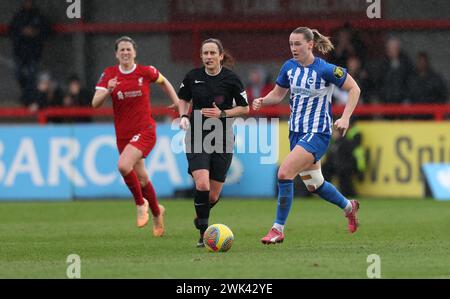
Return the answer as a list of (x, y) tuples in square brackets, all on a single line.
[(338, 72), (304, 92), (133, 93), (182, 85), (197, 82), (129, 94)]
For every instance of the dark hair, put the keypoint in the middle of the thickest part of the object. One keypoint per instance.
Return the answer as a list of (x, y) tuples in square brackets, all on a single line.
[(228, 59), (125, 39), (423, 54), (321, 42), (73, 77)]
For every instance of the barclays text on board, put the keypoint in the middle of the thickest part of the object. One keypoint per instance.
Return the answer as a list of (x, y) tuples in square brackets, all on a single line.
[(80, 161)]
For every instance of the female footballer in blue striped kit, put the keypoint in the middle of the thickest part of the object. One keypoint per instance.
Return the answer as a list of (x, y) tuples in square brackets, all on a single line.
[(311, 81)]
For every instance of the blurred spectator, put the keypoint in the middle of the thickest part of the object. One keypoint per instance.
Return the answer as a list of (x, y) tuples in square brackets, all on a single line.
[(347, 44), (48, 93), (361, 76), (77, 96), (353, 164), (28, 30), (393, 73), (425, 85), (259, 83)]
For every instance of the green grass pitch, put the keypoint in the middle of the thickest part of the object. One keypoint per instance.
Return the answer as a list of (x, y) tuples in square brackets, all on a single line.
[(411, 236)]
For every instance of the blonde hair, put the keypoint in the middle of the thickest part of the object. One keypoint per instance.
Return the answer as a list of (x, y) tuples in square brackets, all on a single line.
[(321, 42)]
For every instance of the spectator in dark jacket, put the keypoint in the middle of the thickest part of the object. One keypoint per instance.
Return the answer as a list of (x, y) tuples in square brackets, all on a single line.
[(77, 96), (425, 85), (347, 44), (28, 30), (361, 76), (393, 74), (48, 93)]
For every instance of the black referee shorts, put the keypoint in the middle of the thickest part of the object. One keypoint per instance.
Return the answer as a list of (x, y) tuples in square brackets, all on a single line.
[(217, 164)]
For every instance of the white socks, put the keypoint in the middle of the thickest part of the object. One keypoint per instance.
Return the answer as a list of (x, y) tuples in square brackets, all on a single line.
[(278, 227), (348, 208)]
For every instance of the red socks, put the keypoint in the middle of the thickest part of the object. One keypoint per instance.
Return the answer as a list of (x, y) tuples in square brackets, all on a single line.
[(139, 193), (150, 196), (132, 182)]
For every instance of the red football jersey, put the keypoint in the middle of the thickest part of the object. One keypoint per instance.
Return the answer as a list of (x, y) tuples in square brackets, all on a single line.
[(130, 98)]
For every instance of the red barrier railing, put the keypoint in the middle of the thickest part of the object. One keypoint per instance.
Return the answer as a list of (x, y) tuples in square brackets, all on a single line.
[(438, 112)]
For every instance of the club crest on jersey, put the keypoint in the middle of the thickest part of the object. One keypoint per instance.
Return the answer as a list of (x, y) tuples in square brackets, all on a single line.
[(338, 72), (140, 81), (120, 95), (310, 81)]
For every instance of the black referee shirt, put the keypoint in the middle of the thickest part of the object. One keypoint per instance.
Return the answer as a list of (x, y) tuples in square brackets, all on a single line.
[(225, 89), (204, 89)]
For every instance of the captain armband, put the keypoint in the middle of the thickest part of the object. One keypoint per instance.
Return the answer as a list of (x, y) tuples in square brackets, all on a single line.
[(160, 79)]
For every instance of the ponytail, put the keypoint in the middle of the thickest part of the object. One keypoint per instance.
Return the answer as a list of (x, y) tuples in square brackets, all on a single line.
[(321, 43), (228, 60)]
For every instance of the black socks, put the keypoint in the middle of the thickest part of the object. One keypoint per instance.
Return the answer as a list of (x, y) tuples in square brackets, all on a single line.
[(211, 205), (201, 203)]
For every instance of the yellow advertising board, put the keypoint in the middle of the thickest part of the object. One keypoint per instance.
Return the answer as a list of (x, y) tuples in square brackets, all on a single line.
[(395, 151), (283, 141)]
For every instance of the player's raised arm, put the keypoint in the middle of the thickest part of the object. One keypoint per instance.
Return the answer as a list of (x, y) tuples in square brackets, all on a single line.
[(101, 94), (168, 89), (99, 98), (275, 96)]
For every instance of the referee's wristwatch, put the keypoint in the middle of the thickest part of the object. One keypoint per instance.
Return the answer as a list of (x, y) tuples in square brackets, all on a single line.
[(223, 114)]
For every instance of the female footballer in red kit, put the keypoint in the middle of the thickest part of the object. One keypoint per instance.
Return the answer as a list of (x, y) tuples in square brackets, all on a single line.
[(128, 85)]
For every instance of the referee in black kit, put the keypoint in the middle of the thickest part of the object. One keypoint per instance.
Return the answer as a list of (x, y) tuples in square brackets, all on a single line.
[(217, 95)]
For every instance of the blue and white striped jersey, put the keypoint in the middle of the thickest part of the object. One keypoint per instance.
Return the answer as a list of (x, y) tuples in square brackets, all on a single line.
[(311, 92)]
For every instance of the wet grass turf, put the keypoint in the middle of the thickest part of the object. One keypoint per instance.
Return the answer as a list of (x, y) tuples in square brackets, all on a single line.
[(411, 236)]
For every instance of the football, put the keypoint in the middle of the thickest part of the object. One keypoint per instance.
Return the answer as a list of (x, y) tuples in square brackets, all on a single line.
[(218, 237)]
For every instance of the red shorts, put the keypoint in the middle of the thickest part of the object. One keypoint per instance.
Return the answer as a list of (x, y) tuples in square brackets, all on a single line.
[(144, 141)]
